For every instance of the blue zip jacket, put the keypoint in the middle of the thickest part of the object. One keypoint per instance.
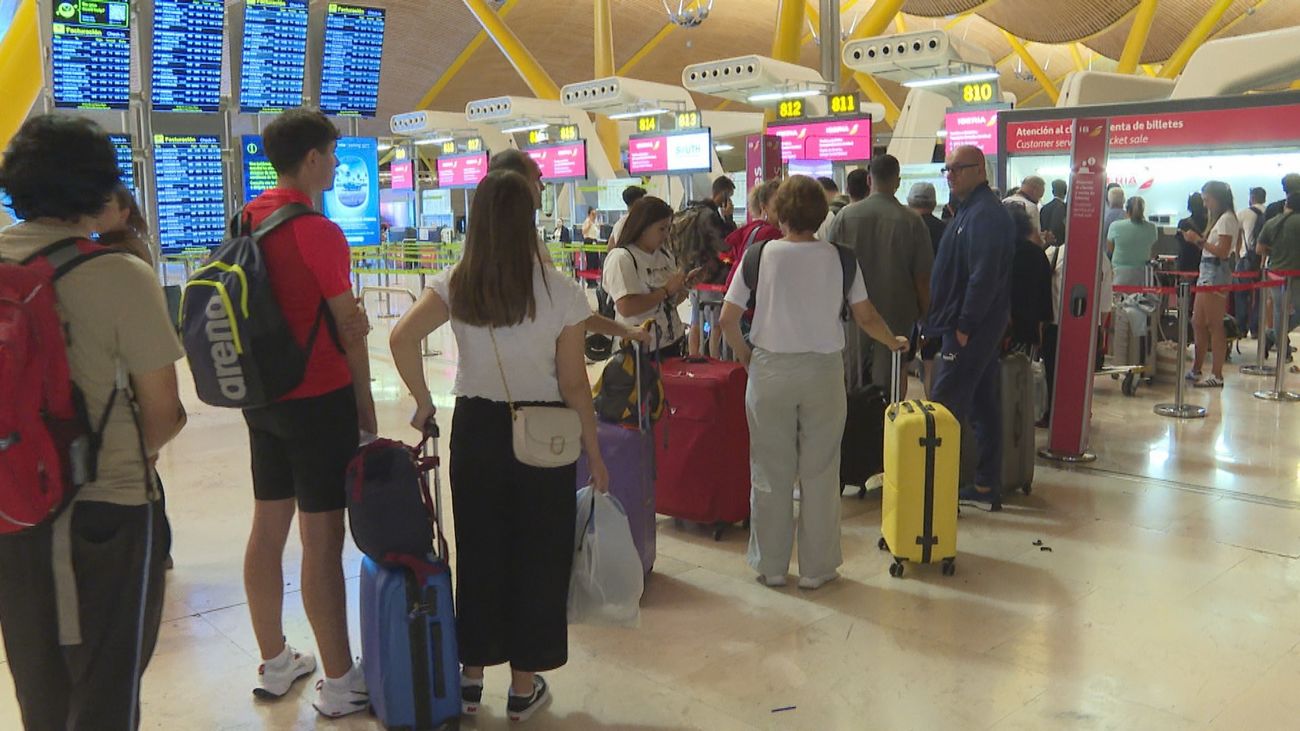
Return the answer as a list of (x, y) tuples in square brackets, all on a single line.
[(970, 285)]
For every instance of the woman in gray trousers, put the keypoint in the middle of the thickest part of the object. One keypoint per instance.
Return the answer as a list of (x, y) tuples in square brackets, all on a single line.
[(796, 402)]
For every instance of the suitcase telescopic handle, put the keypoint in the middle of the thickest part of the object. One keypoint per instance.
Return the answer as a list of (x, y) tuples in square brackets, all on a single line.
[(896, 377)]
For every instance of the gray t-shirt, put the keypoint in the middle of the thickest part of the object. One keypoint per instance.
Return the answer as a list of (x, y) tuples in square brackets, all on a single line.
[(894, 251)]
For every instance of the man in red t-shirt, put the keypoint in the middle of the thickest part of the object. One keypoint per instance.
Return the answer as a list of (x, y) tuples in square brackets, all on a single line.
[(301, 445)]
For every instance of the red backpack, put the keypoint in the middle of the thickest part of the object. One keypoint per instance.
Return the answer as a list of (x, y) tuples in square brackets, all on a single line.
[(47, 448)]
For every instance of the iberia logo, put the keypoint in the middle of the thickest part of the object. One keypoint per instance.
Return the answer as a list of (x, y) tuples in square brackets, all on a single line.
[(1096, 132), (853, 131), (993, 121), (657, 144)]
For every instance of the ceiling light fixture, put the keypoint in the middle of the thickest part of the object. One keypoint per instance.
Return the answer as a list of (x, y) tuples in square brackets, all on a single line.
[(638, 113), (945, 80), (531, 127), (434, 140), (724, 147), (773, 96)]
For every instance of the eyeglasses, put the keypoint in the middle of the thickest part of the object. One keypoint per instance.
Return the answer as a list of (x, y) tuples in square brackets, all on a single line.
[(950, 169)]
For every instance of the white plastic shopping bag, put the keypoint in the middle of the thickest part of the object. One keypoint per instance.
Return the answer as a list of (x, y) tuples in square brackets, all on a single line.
[(607, 581)]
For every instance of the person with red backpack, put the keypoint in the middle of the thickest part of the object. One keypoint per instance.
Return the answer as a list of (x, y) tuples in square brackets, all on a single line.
[(88, 397)]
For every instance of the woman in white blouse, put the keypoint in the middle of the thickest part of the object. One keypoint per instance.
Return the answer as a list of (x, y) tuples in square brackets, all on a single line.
[(1216, 244), (796, 402), (519, 326)]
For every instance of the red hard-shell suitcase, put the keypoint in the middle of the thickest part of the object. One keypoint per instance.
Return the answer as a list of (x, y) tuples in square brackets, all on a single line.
[(702, 443)]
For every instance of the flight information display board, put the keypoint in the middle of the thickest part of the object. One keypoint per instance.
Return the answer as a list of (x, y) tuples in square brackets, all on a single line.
[(125, 159), (187, 48), (259, 174), (353, 202), (91, 54), (354, 48), (275, 56), (191, 191)]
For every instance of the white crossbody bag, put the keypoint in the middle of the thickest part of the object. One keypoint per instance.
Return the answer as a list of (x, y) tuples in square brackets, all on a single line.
[(544, 436)]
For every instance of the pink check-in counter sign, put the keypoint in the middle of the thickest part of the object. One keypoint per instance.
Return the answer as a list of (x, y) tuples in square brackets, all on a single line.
[(975, 129), (839, 140), (462, 171), (561, 162)]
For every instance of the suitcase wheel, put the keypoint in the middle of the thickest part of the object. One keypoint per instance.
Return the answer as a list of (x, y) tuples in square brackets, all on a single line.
[(745, 524), (718, 530), (862, 492), (949, 568), (1129, 387), (896, 569), (1027, 489), (882, 544)]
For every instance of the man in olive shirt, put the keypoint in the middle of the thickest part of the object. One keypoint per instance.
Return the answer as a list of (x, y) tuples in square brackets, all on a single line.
[(894, 251), (81, 597), (1280, 242)]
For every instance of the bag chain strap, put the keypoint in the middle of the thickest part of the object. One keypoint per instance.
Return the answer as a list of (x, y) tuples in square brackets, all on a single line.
[(502, 370)]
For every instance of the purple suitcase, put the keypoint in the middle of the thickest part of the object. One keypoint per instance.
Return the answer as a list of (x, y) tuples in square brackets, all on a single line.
[(629, 456)]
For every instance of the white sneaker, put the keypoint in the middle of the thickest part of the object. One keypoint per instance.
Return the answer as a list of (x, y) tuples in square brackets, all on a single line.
[(338, 697), (277, 675), (771, 581), (810, 583)]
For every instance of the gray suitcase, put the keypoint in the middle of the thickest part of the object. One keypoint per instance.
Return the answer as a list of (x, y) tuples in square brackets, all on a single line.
[(1019, 446), (1018, 440)]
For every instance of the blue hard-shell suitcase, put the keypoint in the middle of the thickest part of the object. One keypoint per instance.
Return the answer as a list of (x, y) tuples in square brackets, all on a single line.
[(408, 645), (408, 633)]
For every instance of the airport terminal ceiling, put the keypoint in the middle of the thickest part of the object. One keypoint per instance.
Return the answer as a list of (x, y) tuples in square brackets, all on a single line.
[(437, 57)]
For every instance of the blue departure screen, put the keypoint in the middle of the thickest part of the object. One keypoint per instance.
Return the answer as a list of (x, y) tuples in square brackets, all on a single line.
[(187, 47), (191, 191), (354, 47), (125, 160), (91, 54), (275, 55), (259, 174)]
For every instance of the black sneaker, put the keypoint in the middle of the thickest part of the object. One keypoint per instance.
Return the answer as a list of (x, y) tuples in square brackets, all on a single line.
[(471, 695), (522, 708)]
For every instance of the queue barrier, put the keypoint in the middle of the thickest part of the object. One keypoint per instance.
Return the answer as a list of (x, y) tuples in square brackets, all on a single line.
[(381, 290), (1274, 280)]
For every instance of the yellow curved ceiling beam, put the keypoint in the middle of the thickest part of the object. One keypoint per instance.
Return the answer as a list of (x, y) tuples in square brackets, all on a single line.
[(1079, 64), (877, 19), (1137, 36), (876, 93), (1198, 35), (1032, 63), (515, 52), (459, 63), (789, 24), (21, 73), (603, 39)]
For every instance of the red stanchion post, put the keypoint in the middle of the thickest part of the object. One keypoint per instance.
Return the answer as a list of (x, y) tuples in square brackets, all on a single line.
[(1180, 409)]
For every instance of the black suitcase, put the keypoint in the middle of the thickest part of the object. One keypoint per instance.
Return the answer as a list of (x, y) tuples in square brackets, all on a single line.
[(862, 448)]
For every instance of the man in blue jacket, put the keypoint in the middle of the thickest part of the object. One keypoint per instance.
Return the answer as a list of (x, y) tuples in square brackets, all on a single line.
[(969, 311)]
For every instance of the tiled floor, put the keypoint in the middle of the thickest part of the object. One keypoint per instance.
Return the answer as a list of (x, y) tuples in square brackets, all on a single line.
[(1165, 595)]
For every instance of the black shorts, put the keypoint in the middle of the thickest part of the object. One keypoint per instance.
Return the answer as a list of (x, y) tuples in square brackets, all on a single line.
[(301, 449)]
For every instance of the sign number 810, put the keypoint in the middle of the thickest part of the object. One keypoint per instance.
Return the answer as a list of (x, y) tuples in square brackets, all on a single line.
[(973, 93)]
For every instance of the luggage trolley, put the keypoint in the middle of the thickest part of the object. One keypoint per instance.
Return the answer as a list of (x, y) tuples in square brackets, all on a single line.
[(1150, 309)]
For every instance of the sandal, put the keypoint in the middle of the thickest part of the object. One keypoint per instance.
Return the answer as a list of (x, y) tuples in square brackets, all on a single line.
[(1211, 382)]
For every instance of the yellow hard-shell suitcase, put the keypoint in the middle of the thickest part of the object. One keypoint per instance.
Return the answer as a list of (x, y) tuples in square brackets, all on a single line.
[(922, 464)]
